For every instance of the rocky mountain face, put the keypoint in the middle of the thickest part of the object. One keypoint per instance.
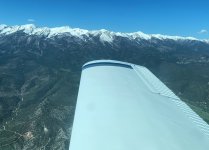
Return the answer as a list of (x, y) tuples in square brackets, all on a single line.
[(40, 71)]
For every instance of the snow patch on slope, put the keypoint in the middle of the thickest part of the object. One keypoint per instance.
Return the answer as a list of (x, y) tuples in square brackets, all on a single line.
[(104, 35), (164, 37)]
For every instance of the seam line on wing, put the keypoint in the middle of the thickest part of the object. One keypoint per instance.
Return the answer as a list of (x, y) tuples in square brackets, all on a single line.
[(157, 87), (153, 83)]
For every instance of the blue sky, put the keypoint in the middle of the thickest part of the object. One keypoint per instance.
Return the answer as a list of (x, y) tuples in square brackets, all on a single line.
[(172, 17)]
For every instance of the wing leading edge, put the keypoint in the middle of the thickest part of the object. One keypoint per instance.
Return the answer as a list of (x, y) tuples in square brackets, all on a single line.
[(122, 106)]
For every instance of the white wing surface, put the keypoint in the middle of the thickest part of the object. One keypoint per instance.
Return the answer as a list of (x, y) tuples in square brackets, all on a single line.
[(122, 106)]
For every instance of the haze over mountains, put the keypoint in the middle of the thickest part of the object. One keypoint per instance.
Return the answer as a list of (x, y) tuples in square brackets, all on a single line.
[(40, 72)]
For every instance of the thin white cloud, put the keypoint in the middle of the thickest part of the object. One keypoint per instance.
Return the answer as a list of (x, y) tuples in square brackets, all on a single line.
[(31, 20), (203, 31)]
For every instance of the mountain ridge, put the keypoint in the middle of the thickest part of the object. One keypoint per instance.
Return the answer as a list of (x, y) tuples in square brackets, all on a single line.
[(105, 35)]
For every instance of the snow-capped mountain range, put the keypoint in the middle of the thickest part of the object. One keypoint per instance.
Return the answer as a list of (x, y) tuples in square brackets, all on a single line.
[(104, 35)]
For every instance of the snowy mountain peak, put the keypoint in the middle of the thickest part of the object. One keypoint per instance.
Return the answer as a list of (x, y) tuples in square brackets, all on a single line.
[(103, 34), (104, 30), (2, 26), (27, 26), (141, 35)]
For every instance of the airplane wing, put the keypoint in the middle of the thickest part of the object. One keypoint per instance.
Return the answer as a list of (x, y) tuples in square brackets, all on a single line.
[(122, 106)]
